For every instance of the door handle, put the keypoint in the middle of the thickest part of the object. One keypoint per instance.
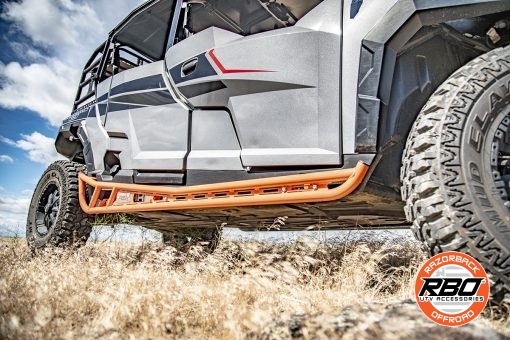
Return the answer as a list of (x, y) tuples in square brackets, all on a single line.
[(188, 67)]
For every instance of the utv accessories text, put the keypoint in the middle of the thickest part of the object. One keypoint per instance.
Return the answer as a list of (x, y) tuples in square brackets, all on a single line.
[(312, 187)]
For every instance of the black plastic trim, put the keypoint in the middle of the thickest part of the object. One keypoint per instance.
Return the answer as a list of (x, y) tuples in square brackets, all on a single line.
[(195, 90), (165, 178), (203, 69), (87, 150), (149, 98), (377, 56)]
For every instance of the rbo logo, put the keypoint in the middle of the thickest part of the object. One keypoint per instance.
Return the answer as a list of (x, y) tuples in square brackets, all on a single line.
[(452, 289)]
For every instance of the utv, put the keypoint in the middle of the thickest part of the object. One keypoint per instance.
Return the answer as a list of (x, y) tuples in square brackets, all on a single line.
[(196, 114)]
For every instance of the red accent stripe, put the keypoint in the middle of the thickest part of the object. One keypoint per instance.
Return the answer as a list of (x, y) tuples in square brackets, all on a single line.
[(225, 70)]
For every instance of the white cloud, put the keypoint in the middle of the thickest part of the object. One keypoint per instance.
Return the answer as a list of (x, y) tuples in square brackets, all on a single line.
[(46, 88), (14, 205), (25, 52), (39, 148), (6, 159), (70, 30), (13, 214), (27, 192), (55, 22)]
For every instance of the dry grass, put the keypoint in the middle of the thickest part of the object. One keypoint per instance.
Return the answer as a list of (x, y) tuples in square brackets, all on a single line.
[(149, 291)]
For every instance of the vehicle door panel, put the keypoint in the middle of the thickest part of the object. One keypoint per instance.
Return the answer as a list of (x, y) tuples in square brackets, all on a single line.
[(274, 87), (151, 128)]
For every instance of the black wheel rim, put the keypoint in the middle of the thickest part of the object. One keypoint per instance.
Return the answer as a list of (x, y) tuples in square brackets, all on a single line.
[(500, 160), (47, 209)]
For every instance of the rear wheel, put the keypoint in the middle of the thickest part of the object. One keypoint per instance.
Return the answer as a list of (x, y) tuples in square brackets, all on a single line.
[(183, 238), (55, 217), (456, 167)]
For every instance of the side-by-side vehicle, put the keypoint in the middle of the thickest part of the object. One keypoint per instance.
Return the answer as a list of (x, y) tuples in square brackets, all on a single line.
[(306, 114)]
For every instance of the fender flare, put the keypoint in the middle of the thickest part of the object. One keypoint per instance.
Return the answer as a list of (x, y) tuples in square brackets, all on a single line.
[(377, 128), (373, 86)]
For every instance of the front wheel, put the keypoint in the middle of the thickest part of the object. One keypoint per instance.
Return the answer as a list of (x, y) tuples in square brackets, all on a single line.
[(456, 167), (55, 216)]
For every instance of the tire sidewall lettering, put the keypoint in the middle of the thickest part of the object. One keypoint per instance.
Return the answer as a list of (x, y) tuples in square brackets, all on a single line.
[(486, 112)]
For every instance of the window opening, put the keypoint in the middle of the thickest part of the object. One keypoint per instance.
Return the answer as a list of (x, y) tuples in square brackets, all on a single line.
[(241, 17)]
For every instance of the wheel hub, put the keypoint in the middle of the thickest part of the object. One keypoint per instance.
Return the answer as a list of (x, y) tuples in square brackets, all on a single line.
[(47, 211), (500, 160)]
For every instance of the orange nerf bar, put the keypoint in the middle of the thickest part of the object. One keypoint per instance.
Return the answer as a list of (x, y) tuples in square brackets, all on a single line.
[(321, 186)]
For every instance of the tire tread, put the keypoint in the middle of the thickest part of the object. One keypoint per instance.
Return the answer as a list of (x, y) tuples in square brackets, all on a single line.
[(443, 219)]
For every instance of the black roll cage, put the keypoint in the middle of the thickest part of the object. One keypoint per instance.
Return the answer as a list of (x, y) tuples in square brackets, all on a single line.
[(92, 63), (96, 66)]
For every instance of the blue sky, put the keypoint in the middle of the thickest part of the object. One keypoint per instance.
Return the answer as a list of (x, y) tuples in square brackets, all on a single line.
[(43, 47)]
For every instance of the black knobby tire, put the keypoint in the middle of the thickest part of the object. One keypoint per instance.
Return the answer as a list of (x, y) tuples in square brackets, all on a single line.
[(183, 238), (55, 216), (456, 167)]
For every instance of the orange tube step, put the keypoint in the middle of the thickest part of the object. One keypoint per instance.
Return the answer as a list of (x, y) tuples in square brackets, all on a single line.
[(108, 197)]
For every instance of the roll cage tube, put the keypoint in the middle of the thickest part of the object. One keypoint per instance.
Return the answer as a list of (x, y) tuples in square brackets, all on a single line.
[(96, 68), (92, 65)]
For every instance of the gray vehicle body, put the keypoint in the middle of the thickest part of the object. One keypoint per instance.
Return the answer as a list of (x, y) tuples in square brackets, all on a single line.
[(342, 83)]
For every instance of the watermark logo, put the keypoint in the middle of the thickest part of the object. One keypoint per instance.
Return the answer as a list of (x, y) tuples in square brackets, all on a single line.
[(452, 289)]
